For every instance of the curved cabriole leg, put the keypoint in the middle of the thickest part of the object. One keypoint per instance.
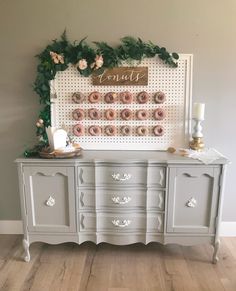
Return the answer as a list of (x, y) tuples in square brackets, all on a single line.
[(26, 249), (215, 258)]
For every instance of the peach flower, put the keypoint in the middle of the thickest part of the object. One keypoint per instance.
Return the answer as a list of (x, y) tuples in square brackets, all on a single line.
[(98, 61), (57, 58), (82, 64)]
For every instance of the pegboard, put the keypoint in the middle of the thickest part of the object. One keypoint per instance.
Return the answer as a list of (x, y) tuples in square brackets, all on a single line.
[(176, 83)]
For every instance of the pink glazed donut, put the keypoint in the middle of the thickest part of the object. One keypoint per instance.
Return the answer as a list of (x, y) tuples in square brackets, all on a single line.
[(78, 130), (126, 114), (94, 113), (110, 114), (143, 97), (110, 130), (94, 97), (110, 97), (158, 130), (142, 114), (78, 114), (159, 114), (94, 130), (126, 97)]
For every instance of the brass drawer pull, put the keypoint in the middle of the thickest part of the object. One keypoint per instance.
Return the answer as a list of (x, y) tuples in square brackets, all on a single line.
[(121, 223), (121, 177), (121, 201)]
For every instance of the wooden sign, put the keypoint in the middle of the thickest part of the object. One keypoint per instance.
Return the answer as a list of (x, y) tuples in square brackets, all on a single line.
[(122, 76)]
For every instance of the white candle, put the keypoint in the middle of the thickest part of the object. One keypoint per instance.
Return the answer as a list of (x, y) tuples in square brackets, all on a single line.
[(198, 111)]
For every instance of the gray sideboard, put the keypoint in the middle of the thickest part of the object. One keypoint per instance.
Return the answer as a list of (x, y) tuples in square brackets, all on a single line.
[(121, 197)]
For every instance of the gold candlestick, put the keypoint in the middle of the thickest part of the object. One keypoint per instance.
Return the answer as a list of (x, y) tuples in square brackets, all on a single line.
[(197, 143)]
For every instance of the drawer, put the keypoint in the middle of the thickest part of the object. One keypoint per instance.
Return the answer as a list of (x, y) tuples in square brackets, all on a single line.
[(121, 222), (121, 175), (156, 176), (156, 199), (86, 175)]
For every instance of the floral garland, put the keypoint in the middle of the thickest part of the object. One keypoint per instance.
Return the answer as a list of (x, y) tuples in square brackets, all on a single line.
[(88, 60)]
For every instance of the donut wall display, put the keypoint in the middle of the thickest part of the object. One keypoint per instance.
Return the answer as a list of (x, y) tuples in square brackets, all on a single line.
[(153, 116), (112, 115)]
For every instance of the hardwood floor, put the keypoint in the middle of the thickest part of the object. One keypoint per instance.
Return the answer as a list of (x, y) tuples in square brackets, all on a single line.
[(116, 268)]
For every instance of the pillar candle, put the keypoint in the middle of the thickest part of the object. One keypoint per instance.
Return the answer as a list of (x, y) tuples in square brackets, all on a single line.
[(198, 111)]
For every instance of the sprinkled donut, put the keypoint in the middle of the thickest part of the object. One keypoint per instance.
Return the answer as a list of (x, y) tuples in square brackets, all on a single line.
[(94, 113), (110, 130), (78, 129), (159, 114), (125, 130), (142, 114), (94, 130), (78, 114), (142, 130), (126, 97), (126, 114), (142, 97), (110, 114), (110, 97), (94, 97), (78, 97), (159, 97), (158, 130)]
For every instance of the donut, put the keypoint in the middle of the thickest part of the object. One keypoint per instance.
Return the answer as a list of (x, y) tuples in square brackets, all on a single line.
[(159, 97), (94, 113), (158, 130), (94, 130), (78, 97), (126, 114), (110, 130), (78, 114), (126, 97), (142, 97), (142, 130), (110, 114), (142, 114), (110, 97), (94, 97), (78, 129), (159, 114), (125, 130)]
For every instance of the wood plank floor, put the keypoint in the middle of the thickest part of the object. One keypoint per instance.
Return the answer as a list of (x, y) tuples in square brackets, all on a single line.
[(116, 268)]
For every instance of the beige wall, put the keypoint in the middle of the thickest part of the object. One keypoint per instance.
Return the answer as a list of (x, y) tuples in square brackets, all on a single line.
[(204, 28)]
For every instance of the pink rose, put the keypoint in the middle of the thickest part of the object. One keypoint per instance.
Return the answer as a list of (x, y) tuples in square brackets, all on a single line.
[(82, 64), (98, 61)]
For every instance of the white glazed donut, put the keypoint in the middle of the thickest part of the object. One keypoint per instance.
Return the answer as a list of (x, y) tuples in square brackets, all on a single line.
[(126, 130), (159, 97), (142, 130), (78, 97)]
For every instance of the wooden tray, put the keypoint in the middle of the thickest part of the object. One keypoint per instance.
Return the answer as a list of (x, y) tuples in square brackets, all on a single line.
[(47, 153)]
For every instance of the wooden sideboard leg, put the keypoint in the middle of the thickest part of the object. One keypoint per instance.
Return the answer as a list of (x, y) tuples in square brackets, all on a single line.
[(26, 249), (215, 258)]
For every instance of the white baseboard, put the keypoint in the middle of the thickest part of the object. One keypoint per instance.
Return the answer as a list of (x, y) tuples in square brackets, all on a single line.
[(227, 228), (11, 227)]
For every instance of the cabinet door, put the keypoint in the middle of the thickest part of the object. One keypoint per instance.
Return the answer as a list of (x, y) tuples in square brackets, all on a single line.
[(50, 199), (193, 199)]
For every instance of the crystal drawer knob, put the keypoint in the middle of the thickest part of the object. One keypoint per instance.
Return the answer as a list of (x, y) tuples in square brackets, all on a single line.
[(121, 223), (121, 201), (51, 201), (121, 177)]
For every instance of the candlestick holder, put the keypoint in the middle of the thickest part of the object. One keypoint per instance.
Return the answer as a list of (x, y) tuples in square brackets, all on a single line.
[(197, 143)]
